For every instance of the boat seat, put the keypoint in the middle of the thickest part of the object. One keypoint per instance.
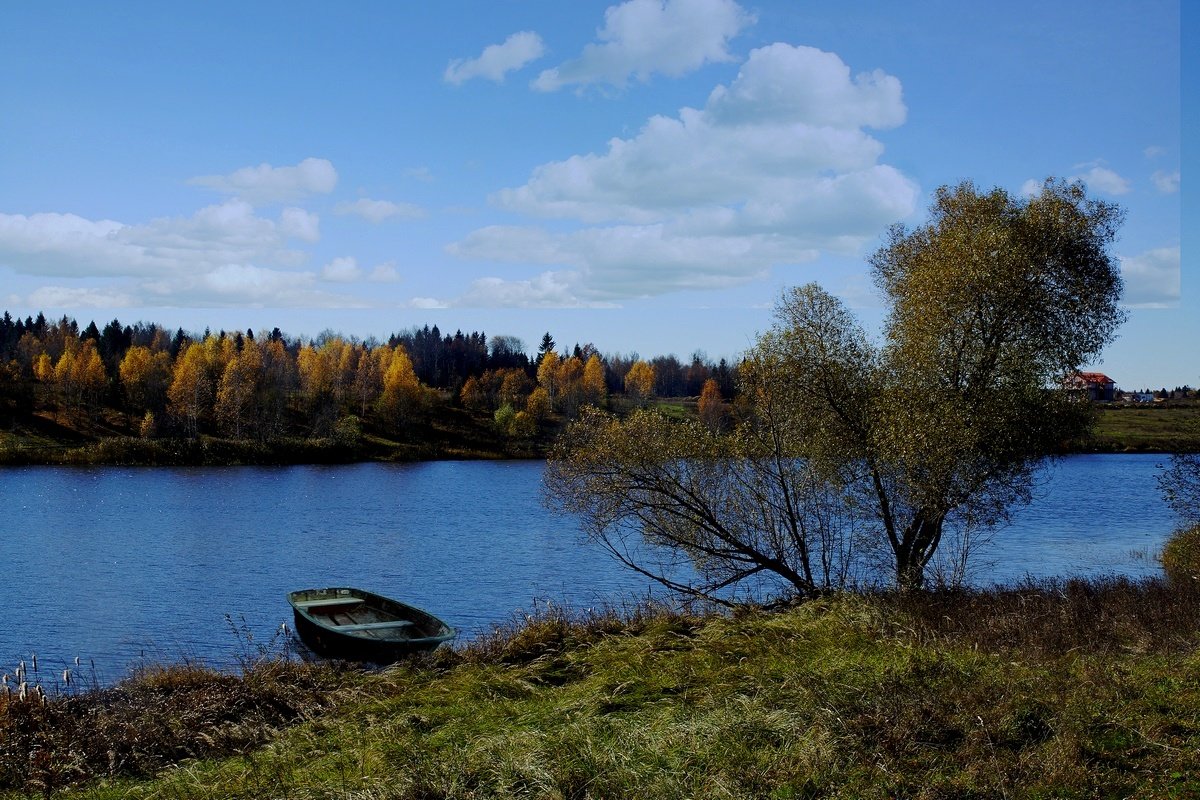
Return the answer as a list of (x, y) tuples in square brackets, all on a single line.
[(330, 601), (375, 626)]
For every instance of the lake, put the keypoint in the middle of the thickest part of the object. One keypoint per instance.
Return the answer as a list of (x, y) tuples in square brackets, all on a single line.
[(118, 564)]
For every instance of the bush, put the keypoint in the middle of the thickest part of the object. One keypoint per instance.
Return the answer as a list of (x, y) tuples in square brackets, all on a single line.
[(1181, 557)]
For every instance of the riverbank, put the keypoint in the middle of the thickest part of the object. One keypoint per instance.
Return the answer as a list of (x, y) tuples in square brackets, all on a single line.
[(1066, 689), (452, 433), (442, 434)]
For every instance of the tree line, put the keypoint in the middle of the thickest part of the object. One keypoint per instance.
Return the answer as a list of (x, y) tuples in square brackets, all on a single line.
[(244, 385)]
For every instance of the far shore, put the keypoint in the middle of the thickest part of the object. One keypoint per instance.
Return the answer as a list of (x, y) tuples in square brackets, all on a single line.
[(1165, 428)]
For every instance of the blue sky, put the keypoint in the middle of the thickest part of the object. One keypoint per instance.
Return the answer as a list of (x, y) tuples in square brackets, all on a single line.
[(647, 176)]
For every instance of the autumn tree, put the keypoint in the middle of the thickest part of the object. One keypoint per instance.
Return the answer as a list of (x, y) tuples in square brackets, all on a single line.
[(935, 432), (323, 380), (548, 373), (472, 396), (368, 380), (79, 374), (711, 406), (402, 394), (279, 378), (595, 385), (238, 392), (145, 375), (190, 393), (515, 386), (570, 386), (639, 384), (538, 404)]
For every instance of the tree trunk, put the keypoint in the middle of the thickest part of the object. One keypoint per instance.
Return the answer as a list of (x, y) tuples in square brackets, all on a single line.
[(917, 546)]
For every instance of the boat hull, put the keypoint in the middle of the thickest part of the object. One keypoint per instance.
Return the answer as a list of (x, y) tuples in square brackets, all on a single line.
[(356, 625)]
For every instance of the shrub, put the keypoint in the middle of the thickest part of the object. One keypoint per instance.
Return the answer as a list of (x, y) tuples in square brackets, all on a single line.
[(1181, 557)]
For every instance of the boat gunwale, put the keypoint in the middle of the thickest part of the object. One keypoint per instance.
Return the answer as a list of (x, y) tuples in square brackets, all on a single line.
[(354, 595)]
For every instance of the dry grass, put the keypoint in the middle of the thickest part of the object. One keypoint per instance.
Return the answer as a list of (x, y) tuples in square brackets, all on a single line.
[(1044, 619), (159, 717)]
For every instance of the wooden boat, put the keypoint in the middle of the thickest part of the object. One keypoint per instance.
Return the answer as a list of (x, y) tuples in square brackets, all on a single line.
[(362, 626)]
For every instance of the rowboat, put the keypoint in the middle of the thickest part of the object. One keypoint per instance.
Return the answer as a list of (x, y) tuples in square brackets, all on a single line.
[(357, 625)]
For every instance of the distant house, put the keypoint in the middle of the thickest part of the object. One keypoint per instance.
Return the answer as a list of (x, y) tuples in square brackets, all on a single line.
[(1096, 386)]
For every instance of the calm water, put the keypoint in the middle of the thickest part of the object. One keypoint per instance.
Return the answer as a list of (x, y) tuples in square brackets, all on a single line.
[(116, 564)]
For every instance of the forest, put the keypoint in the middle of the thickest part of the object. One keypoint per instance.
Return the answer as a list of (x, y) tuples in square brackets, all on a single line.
[(148, 382)]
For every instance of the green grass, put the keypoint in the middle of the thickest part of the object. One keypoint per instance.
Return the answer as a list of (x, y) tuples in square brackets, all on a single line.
[(1058, 691), (1164, 429)]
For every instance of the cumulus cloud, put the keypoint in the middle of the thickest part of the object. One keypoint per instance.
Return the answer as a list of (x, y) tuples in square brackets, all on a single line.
[(223, 254), (548, 290), (376, 211), (1166, 182), (68, 245), (1104, 180), (245, 285), (1152, 279), (644, 37), (342, 270), (497, 60), (297, 223), (775, 169), (384, 273), (266, 185)]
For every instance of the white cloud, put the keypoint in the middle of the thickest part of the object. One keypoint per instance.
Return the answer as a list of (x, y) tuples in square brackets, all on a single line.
[(376, 211), (56, 297), (787, 84), (1103, 179), (342, 270), (548, 290), (384, 273), (1166, 182), (1152, 279), (774, 170), (68, 245), (245, 285), (643, 37), (300, 224), (1154, 151), (265, 184), (497, 60), (223, 255)]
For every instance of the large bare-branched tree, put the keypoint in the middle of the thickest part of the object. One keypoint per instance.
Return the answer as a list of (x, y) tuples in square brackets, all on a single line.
[(852, 448)]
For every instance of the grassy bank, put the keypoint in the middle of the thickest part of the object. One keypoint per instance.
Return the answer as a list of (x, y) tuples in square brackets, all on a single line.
[(453, 433), (1058, 690), (444, 433), (1152, 429)]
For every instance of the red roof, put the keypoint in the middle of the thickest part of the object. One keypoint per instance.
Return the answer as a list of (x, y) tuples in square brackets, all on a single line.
[(1080, 379)]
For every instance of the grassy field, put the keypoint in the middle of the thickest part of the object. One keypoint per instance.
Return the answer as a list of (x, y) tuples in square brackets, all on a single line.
[(1064, 690), (1165, 429)]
